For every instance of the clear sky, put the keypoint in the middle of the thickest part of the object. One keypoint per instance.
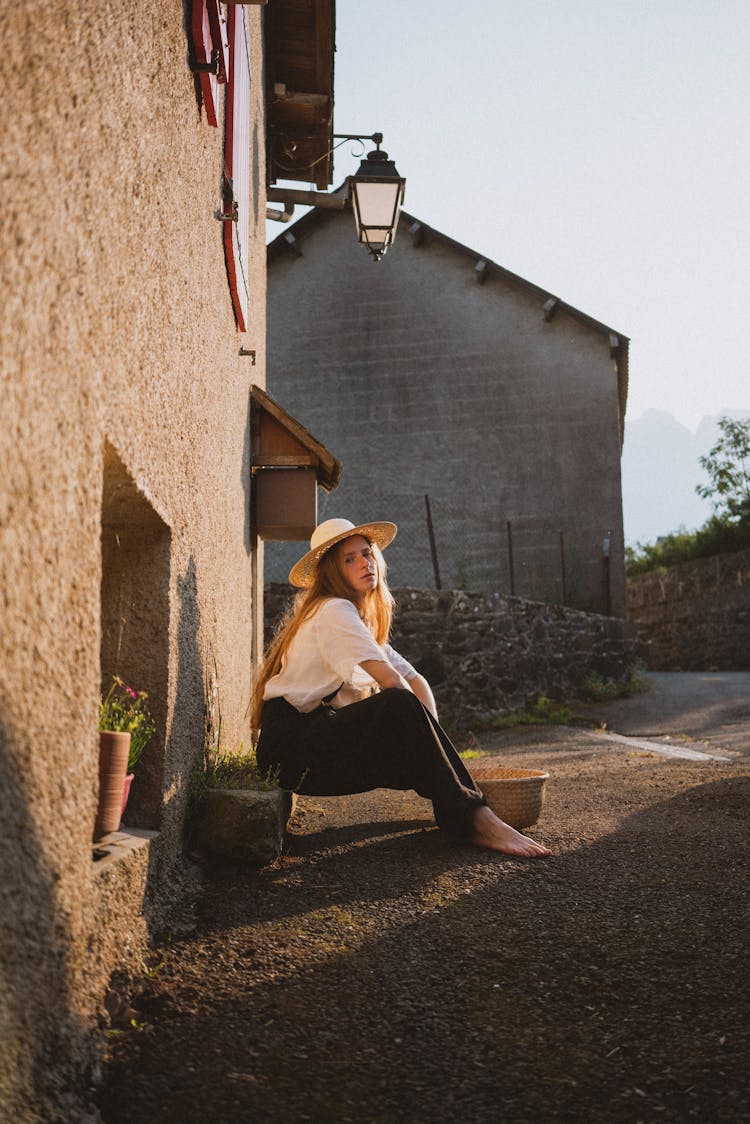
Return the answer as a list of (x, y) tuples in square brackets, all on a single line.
[(600, 150)]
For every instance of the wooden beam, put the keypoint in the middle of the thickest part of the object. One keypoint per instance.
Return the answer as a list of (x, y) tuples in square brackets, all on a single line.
[(481, 270), (299, 40), (294, 460), (297, 97), (324, 46), (550, 308), (614, 345), (417, 233)]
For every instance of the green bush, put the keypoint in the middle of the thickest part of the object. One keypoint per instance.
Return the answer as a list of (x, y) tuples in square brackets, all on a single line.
[(717, 536), (597, 688), (543, 712), (728, 488)]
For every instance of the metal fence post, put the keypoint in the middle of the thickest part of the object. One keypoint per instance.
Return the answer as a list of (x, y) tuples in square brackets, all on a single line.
[(606, 556), (433, 548), (563, 578), (510, 560)]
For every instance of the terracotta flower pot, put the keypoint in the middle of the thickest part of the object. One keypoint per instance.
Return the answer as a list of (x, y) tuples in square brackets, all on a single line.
[(114, 749), (126, 791)]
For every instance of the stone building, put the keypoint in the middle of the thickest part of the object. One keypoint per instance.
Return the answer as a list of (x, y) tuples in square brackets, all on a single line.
[(133, 331), (439, 374)]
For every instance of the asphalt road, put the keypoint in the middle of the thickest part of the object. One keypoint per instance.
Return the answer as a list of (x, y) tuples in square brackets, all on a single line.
[(707, 708)]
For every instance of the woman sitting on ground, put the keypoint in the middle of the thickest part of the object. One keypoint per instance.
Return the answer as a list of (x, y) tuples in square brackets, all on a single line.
[(321, 727)]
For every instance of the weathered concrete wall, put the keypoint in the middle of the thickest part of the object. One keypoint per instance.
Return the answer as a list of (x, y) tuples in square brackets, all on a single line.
[(485, 654), (124, 428), (694, 617), (426, 382)]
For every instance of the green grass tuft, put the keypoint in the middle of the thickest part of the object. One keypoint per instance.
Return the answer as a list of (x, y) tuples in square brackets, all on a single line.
[(596, 688), (233, 769), (543, 712)]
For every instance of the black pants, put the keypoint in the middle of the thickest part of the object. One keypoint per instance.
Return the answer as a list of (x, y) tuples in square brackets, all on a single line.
[(389, 740)]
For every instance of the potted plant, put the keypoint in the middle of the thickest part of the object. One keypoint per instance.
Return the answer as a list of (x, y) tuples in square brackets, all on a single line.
[(238, 812), (125, 729)]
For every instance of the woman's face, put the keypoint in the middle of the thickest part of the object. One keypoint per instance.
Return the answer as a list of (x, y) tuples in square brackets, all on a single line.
[(357, 564)]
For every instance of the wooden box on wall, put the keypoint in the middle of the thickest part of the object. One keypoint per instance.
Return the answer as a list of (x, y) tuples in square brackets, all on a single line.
[(286, 503), (288, 465)]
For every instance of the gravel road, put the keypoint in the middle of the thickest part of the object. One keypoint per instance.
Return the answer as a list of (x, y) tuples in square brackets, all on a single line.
[(376, 973)]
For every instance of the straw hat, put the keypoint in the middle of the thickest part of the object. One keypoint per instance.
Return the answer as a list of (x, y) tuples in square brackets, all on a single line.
[(327, 535)]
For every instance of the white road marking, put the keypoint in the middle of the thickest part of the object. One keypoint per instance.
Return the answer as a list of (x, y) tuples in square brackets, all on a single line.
[(659, 747)]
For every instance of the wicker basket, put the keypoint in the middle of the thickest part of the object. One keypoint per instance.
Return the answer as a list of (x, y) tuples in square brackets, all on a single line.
[(515, 795)]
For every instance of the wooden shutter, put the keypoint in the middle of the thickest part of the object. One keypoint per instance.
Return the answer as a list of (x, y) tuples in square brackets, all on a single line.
[(237, 162), (210, 46)]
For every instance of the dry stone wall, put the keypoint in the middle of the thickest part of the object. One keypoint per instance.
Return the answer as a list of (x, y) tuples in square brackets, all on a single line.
[(695, 616), (485, 654)]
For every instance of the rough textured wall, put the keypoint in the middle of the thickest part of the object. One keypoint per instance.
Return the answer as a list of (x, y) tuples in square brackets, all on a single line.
[(425, 382), (488, 654), (117, 332), (696, 616)]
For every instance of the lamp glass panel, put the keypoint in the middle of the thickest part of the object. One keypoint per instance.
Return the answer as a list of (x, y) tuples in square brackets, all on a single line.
[(377, 203), (376, 234)]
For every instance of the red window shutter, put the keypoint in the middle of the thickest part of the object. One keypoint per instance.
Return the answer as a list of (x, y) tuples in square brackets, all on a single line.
[(210, 44), (237, 162), (218, 24)]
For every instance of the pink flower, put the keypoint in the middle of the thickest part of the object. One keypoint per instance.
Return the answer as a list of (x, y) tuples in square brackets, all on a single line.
[(133, 694)]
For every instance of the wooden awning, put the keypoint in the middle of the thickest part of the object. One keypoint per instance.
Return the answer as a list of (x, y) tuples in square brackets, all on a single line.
[(280, 441), (300, 44)]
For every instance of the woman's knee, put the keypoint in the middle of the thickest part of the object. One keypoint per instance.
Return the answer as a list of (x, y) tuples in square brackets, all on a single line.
[(401, 701)]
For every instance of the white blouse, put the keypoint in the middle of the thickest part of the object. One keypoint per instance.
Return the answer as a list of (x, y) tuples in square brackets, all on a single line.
[(326, 653)]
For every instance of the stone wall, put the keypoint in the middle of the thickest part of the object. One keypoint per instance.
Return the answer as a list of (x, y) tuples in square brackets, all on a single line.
[(483, 654), (695, 616)]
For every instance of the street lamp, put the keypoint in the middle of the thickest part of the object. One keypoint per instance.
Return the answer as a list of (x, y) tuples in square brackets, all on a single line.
[(375, 194)]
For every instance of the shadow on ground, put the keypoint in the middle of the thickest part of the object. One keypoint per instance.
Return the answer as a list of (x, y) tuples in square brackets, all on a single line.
[(378, 974)]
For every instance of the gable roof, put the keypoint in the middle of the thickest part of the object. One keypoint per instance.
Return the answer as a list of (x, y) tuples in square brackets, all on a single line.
[(619, 344), (280, 440)]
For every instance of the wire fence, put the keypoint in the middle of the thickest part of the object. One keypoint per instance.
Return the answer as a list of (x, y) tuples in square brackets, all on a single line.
[(443, 545)]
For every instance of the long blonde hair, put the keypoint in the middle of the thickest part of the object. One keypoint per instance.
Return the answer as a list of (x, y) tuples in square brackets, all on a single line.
[(375, 608)]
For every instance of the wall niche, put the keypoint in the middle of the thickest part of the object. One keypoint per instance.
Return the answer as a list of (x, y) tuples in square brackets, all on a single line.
[(136, 551)]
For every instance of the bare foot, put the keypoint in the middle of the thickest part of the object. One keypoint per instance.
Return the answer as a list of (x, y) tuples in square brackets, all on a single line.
[(496, 835)]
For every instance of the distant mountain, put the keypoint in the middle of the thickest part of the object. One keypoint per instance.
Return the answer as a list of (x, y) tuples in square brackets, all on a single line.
[(660, 471)]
